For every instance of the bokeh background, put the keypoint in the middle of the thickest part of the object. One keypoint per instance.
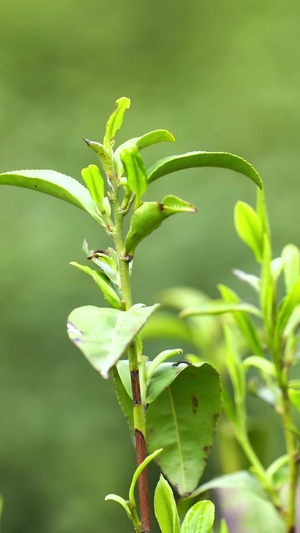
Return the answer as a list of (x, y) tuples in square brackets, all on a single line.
[(221, 76)]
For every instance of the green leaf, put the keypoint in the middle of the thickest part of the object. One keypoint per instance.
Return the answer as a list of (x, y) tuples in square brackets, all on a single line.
[(234, 367), (106, 263), (228, 407), (249, 228), (95, 184), (121, 501), (104, 156), (165, 507), (123, 396), (200, 518), (182, 421), (277, 465), (243, 321), (149, 217), (293, 322), (159, 359), (55, 184), (115, 121), (110, 293), (164, 325), (148, 139), (135, 172), (219, 307), (262, 364), (241, 480), (291, 268), (267, 289), (203, 159), (103, 335), (253, 281), (294, 396), (137, 473), (290, 302), (223, 527), (261, 209)]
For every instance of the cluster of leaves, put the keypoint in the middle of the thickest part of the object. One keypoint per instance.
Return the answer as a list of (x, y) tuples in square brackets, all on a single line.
[(182, 401), (260, 338)]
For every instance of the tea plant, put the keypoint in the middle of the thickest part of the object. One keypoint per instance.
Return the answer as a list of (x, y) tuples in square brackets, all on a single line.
[(171, 408), (264, 337)]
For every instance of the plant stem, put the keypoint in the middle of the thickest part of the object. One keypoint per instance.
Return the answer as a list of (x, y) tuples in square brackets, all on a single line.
[(139, 418)]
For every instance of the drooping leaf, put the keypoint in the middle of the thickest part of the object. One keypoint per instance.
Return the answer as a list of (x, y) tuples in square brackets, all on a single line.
[(165, 507), (241, 480), (249, 228), (121, 501), (103, 335), (110, 292), (115, 122), (135, 172), (203, 159), (253, 281), (243, 321), (219, 307), (200, 518), (182, 421), (137, 473), (261, 363), (148, 139), (55, 184), (95, 184), (149, 217), (291, 267), (104, 156)]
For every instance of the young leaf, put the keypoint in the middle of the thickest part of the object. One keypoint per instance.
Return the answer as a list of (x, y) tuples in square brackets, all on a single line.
[(165, 507), (200, 518), (106, 263), (121, 501), (267, 289), (159, 359), (135, 172), (293, 322), (294, 396), (149, 217), (115, 122), (234, 367), (290, 302), (153, 137), (291, 266), (110, 293), (104, 156), (249, 228), (223, 527), (55, 184), (103, 335), (203, 159), (95, 184), (243, 321), (219, 307), (138, 471), (182, 421), (262, 364), (253, 281)]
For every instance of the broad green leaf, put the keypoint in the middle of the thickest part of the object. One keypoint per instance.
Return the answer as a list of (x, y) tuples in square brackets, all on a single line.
[(103, 335), (249, 228), (290, 302), (165, 507), (253, 281), (267, 289), (223, 527), (110, 293), (115, 122), (291, 268), (95, 184), (200, 518), (262, 364), (241, 480), (203, 159), (149, 217), (148, 139), (104, 156), (243, 321), (135, 172), (182, 421), (121, 501), (55, 184), (219, 307)]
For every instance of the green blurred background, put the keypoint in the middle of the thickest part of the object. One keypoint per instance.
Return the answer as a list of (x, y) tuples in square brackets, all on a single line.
[(219, 75)]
